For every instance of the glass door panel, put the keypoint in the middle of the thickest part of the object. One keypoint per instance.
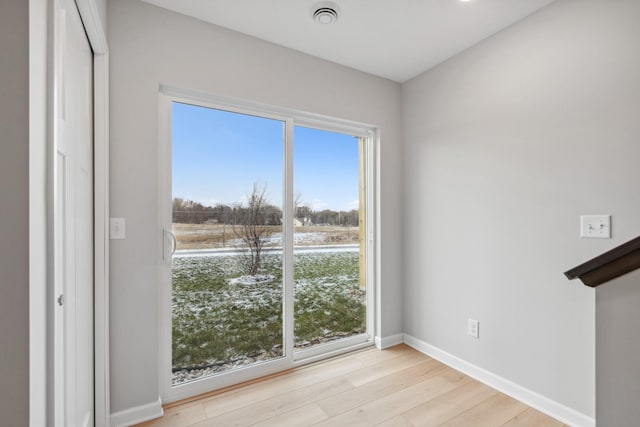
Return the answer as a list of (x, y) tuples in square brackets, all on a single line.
[(227, 270), (329, 238)]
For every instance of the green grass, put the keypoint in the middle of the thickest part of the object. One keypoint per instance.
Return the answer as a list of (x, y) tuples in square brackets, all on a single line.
[(215, 321)]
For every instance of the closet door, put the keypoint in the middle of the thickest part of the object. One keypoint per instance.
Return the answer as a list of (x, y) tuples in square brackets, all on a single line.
[(73, 220)]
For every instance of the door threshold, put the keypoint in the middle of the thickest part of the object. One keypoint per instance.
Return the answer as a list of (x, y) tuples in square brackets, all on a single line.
[(301, 365)]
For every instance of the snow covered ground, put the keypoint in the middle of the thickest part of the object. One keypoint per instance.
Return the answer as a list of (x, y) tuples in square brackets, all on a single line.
[(220, 323), (270, 250)]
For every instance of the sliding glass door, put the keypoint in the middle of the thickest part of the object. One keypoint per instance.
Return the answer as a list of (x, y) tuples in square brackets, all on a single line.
[(265, 244), (329, 243), (227, 286)]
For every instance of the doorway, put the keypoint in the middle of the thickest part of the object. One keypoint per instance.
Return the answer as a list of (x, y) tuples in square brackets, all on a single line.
[(265, 243)]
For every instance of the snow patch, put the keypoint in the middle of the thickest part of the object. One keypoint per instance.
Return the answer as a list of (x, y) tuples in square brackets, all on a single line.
[(252, 280)]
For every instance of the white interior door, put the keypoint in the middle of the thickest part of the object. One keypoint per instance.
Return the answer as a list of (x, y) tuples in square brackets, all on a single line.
[(73, 219)]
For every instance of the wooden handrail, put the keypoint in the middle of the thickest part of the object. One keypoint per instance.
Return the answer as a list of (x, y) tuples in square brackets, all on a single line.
[(611, 264)]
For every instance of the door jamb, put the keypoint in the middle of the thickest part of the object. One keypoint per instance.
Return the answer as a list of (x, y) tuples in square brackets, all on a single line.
[(96, 33)]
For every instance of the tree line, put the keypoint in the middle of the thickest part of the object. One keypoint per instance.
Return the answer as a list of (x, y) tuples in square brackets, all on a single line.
[(190, 212)]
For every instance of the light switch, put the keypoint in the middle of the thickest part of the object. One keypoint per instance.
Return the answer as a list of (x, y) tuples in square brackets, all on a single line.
[(595, 226), (117, 229)]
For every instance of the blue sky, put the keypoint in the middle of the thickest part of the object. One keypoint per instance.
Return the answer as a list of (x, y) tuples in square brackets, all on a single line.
[(218, 155)]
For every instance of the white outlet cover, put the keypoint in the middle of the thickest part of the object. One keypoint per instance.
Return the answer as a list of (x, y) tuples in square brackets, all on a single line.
[(595, 226), (473, 327)]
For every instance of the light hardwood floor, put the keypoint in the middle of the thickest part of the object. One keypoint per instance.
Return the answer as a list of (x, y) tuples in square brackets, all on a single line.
[(392, 388)]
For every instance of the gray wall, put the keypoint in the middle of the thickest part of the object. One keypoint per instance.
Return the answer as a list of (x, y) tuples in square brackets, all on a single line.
[(506, 145), (149, 46), (14, 212), (618, 351)]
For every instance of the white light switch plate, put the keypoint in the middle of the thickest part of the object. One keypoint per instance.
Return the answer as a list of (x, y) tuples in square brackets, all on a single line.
[(117, 229), (595, 226)]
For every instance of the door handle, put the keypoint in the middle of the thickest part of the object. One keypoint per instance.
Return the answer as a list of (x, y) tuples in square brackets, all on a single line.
[(170, 244)]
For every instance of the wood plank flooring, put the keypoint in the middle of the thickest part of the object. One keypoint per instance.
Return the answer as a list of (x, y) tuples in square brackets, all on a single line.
[(396, 387)]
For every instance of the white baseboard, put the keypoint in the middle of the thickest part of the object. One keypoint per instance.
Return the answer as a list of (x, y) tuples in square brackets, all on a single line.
[(537, 401), (386, 342), (137, 415)]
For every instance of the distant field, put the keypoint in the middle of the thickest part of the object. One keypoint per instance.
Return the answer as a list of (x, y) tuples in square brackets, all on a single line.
[(211, 236)]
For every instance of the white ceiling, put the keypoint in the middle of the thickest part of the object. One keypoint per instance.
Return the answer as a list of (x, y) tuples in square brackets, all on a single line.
[(395, 39)]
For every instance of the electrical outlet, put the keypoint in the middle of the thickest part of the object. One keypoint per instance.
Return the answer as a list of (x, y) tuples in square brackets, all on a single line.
[(473, 328)]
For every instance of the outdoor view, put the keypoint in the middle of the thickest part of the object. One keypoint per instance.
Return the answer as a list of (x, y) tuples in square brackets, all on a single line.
[(228, 288)]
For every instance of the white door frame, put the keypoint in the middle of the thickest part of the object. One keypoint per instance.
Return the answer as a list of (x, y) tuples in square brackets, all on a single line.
[(41, 232), (97, 36), (290, 118)]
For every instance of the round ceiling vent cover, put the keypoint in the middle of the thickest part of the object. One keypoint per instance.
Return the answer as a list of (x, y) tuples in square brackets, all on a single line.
[(325, 13)]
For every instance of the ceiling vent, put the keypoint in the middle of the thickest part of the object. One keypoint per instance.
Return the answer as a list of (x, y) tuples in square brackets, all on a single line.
[(325, 13)]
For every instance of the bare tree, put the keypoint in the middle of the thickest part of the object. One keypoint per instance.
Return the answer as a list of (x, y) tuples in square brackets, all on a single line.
[(249, 225), (297, 202)]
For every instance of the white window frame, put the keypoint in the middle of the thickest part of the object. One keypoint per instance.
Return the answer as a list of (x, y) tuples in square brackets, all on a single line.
[(292, 358)]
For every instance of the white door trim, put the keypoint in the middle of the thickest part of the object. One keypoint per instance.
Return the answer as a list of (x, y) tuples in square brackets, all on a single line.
[(93, 26), (101, 230), (97, 36), (38, 226)]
